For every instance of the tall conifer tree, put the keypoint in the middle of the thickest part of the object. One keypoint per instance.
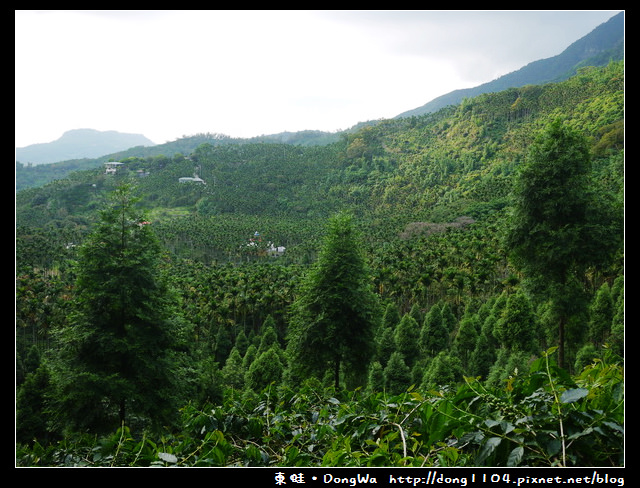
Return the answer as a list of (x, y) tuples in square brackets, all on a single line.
[(114, 360), (558, 227), (336, 312)]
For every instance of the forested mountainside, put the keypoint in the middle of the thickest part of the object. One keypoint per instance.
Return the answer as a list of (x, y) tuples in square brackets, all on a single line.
[(462, 319), (29, 176), (602, 45), (457, 162), (598, 48)]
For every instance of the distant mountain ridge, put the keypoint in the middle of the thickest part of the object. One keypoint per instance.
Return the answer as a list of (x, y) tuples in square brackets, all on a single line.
[(603, 44), (78, 144)]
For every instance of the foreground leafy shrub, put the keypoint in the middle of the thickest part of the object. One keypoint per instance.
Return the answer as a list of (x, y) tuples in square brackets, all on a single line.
[(547, 418), (542, 418)]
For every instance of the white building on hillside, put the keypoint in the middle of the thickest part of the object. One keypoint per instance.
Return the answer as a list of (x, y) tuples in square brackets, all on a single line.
[(111, 167), (191, 179)]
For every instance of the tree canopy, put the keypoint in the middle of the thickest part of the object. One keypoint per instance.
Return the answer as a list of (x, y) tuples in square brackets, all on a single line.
[(557, 230), (115, 362), (336, 312)]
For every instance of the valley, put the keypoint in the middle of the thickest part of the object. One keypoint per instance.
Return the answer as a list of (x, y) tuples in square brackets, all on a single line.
[(467, 354)]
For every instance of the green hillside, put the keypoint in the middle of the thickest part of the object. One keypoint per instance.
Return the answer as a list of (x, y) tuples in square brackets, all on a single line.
[(30, 176), (432, 200), (602, 45), (457, 162)]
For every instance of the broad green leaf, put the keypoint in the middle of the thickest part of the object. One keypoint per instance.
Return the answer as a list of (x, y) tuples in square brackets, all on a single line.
[(488, 448), (515, 456), (506, 426), (573, 395), (491, 423), (553, 447)]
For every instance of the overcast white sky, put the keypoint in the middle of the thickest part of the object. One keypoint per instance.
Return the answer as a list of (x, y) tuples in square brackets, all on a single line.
[(166, 74)]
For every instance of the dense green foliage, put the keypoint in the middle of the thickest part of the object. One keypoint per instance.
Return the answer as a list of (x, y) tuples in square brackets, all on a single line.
[(336, 313), (542, 418), (461, 364), (560, 225), (115, 359)]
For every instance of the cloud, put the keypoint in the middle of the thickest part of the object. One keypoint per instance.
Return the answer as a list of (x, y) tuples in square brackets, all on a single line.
[(171, 73), (477, 44)]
